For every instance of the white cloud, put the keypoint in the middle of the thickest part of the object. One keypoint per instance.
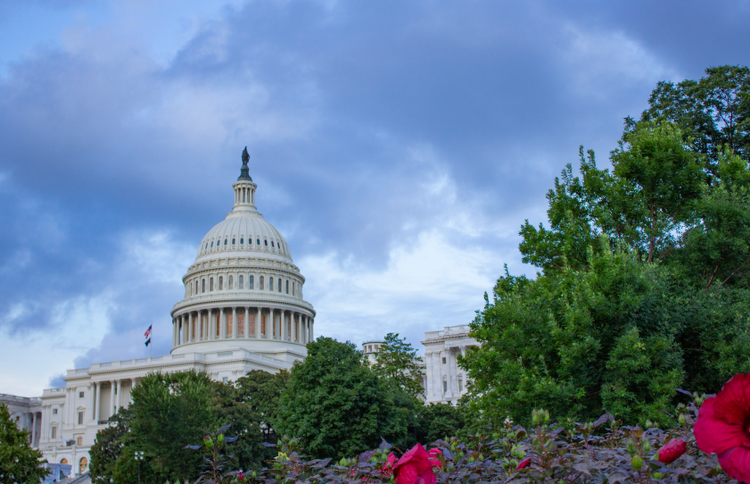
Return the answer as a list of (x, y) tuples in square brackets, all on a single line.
[(33, 356)]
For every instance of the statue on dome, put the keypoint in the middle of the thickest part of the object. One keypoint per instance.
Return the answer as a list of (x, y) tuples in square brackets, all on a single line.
[(245, 157)]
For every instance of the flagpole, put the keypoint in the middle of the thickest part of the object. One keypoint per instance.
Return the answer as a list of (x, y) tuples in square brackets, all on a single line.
[(151, 346)]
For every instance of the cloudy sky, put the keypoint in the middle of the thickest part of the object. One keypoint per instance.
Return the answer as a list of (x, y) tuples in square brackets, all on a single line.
[(397, 145)]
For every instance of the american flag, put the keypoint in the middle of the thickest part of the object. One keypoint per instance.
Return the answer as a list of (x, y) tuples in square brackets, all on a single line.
[(148, 331)]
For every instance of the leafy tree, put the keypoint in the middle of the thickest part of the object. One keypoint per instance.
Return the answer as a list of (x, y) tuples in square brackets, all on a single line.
[(397, 361), (439, 421), (108, 446), (336, 404), (18, 461), (713, 113)]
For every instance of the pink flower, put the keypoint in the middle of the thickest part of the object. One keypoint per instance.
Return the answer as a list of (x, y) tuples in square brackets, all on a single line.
[(672, 451), (722, 427), (387, 468), (433, 458), (414, 467), (524, 464)]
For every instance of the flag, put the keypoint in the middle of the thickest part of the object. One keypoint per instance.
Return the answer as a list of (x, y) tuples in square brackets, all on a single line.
[(148, 341), (148, 335)]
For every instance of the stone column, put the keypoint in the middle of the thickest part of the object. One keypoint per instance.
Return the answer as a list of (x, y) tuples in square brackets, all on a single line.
[(98, 401), (223, 323), (246, 323), (282, 320), (119, 394), (234, 322), (257, 323), (303, 329), (312, 328), (33, 429)]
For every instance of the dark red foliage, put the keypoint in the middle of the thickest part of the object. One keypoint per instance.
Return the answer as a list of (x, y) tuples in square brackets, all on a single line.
[(524, 464)]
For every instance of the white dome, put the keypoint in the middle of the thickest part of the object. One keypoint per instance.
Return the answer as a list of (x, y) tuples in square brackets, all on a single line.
[(244, 232)]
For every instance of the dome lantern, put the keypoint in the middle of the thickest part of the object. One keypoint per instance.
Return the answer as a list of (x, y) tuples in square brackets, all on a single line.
[(244, 188)]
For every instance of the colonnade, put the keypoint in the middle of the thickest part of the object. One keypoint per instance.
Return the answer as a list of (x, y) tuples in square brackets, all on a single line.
[(242, 322), (116, 396)]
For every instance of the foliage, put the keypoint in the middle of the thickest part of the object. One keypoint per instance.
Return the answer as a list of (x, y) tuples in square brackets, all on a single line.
[(336, 404), (397, 361), (215, 459), (602, 451), (18, 461), (714, 112), (439, 421), (108, 446)]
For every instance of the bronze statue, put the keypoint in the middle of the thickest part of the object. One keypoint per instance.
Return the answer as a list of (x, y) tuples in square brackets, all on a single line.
[(245, 157)]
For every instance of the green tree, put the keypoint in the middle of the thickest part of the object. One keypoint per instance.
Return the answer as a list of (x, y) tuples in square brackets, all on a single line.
[(397, 361), (108, 446), (18, 461), (336, 404), (439, 421), (713, 113)]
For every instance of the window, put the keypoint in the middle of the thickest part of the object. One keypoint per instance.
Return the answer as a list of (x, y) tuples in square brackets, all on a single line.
[(241, 281), (266, 242), (80, 394), (225, 379), (54, 432), (221, 283), (233, 239), (287, 287), (444, 360), (230, 282), (279, 285), (54, 411), (270, 283), (445, 387), (79, 441), (211, 284), (83, 464), (261, 283), (460, 385), (251, 282), (292, 288), (272, 243), (242, 240), (204, 285), (257, 241), (225, 241)]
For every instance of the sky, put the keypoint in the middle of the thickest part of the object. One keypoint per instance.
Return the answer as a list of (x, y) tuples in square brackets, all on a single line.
[(398, 146)]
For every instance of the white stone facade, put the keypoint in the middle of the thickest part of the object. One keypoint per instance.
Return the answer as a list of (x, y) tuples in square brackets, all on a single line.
[(444, 381), (243, 310), (27, 413), (371, 348)]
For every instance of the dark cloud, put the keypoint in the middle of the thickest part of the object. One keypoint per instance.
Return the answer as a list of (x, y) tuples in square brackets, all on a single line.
[(368, 125)]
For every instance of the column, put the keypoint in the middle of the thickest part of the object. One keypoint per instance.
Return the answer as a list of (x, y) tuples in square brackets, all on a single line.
[(312, 326), (427, 375), (98, 401), (257, 323), (295, 326), (222, 323), (119, 392), (303, 327), (282, 319), (234, 322), (174, 331), (33, 429), (246, 322)]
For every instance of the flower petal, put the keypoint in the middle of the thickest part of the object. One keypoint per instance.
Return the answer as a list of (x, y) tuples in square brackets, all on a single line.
[(427, 477), (736, 463), (714, 435), (417, 457), (733, 401), (407, 475)]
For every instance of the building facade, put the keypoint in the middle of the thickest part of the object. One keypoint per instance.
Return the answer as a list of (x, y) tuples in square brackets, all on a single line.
[(444, 381), (27, 413), (243, 310)]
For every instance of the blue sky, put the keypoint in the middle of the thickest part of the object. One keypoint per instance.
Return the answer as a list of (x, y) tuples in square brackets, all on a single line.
[(397, 145)]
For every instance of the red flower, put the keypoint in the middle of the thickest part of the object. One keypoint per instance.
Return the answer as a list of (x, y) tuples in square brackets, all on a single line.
[(414, 467), (722, 427), (387, 468), (524, 464), (672, 451), (433, 458)]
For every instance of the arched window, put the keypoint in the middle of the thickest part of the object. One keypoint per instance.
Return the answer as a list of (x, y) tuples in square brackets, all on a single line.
[(212, 243), (279, 285), (260, 283), (270, 283), (64, 461), (211, 284), (204, 285), (221, 283), (241, 281), (293, 284), (272, 243), (230, 282), (242, 240), (233, 240), (225, 241), (257, 241), (266, 242), (251, 282), (287, 286), (83, 465)]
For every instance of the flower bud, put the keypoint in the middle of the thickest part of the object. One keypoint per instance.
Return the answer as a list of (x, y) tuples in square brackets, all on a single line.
[(645, 445), (672, 451), (524, 464), (657, 475), (637, 462), (631, 447), (539, 417)]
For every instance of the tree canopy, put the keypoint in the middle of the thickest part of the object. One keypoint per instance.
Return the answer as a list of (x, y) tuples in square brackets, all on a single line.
[(644, 283), (398, 362), (18, 461)]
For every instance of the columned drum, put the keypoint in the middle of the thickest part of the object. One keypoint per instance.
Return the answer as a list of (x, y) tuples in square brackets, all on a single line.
[(243, 291)]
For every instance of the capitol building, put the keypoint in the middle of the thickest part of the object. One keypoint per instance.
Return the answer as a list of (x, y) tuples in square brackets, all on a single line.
[(243, 310)]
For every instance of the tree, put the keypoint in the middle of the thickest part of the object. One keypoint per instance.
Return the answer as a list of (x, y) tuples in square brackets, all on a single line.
[(108, 446), (438, 421), (335, 403), (713, 113), (397, 361), (18, 461)]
